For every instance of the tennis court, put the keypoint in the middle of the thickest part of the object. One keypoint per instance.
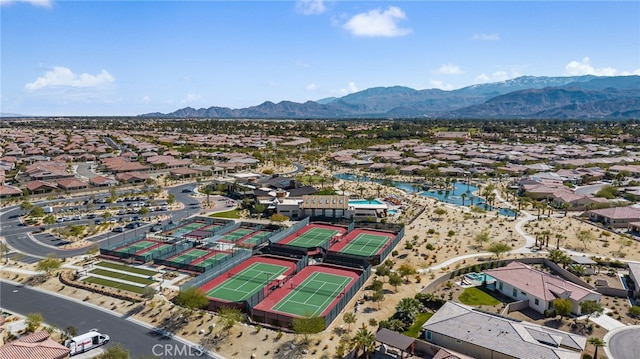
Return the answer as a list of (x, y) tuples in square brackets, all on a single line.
[(136, 246), (312, 238), (236, 234), (314, 295), (184, 229), (365, 245), (256, 237), (217, 257), (189, 256), (243, 284)]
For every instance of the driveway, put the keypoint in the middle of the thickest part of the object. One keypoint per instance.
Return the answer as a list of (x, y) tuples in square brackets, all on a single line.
[(607, 322)]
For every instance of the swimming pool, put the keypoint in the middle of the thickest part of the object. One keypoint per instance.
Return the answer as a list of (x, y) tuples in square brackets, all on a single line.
[(364, 201), (392, 212), (480, 277)]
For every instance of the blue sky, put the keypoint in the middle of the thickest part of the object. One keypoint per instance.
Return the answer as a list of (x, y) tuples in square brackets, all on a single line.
[(127, 58)]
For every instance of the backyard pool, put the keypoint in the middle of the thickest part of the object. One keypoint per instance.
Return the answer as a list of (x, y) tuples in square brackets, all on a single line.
[(480, 277)]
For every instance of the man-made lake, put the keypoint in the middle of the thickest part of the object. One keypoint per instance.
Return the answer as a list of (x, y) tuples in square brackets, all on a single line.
[(453, 196)]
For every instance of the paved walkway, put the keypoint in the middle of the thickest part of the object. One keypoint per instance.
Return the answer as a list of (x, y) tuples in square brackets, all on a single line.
[(604, 320)]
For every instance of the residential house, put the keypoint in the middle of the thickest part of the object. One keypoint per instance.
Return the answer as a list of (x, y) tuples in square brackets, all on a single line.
[(485, 335), (40, 187), (634, 274), (101, 181), (35, 345), (72, 184), (618, 217), (522, 282), (131, 177), (7, 191)]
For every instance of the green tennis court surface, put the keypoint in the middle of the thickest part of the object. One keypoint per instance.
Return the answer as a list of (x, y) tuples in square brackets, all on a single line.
[(137, 247), (365, 245), (235, 235), (313, 296), (256, 237), (313, 238), (190, 256), (211, 260), (190, 227), (244, 284), (156, 249)]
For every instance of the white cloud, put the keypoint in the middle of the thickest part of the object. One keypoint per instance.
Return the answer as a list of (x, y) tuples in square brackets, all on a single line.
[(351, 88), (450, 69), (302, 64), (578, 68), (494, 77), (310, 7), (311, 87), (63, 77), (378, 23), (190, 98), (440, 85), (145, 99), (41, 3), (486, 37)]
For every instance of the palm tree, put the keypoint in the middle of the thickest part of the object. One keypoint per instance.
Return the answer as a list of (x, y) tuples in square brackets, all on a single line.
[(365, 340), (463, 196), (597, 343)]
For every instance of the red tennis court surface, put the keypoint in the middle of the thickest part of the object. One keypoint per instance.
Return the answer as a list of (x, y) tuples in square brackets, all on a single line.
[(222, 278), (305, 293)]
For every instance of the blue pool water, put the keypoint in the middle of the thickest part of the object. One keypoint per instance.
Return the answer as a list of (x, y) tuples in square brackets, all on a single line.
[(364, 201), (453, 196), (480, 277), (392, 212)]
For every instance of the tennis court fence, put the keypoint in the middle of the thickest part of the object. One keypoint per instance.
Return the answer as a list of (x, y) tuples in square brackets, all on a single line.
[(240, 255), (276, 238)]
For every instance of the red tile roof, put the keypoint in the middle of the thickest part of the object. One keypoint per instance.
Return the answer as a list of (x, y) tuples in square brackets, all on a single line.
[(539, 284), (37, 345)]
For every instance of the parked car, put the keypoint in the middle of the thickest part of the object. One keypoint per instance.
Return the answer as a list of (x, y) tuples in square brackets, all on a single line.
[(118, 229)]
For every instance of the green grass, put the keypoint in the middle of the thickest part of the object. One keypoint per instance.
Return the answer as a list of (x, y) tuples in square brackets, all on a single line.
[(477, 296), (127, 277), (414, 330), (234, 213), (115, 285), (127, 268)]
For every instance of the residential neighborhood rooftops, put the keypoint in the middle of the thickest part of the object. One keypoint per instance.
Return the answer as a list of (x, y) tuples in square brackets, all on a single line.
[(539, 284), (510, 337)]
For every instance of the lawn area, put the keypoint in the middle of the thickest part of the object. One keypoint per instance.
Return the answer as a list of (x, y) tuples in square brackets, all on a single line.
[(414, 329), (234, 213), (126, 268), (118, 275), (477, 296), (114, 284)]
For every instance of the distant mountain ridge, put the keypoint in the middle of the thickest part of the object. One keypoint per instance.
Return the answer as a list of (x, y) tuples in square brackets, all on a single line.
[(531, 97)]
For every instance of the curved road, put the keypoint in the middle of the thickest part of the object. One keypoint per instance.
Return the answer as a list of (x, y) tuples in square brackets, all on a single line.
[(64, 312), (622, 343), (19, 237)]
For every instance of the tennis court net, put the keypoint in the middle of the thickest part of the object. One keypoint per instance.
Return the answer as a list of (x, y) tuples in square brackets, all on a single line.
[(257, 277)]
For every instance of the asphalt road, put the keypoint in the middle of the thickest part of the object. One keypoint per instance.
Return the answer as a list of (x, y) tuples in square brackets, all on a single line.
[(18, 236), (624, 343), (63, 312)]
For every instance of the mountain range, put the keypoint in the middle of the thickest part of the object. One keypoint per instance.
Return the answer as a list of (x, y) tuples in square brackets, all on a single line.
[(526, 97)]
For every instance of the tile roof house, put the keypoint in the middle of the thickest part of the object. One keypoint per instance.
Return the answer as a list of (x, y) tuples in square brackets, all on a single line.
[(40, 187), (36, 345), (615, 216), (485, 335), (71, 184), (7, 191), (522, 282), (101, 181)]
